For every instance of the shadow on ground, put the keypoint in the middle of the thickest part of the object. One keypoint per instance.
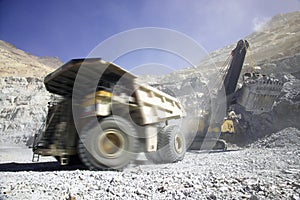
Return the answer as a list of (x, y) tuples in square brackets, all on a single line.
[(212, 151), (39, 167)]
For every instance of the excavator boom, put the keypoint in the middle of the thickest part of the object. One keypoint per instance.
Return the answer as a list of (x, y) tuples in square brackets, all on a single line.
[(232, 76)]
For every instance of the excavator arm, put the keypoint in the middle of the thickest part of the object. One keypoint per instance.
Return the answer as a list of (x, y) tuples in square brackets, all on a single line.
[(229, 82), (232, 76)]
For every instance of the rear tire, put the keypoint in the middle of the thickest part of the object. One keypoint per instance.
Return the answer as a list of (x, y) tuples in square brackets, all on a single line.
[(172, 145), (110, 143)]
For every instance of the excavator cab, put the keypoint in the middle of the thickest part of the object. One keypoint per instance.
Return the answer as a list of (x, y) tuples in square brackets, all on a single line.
[(230, 122)]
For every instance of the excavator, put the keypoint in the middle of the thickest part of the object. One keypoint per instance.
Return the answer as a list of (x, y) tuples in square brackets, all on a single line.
[(226, 108), (217, 119)]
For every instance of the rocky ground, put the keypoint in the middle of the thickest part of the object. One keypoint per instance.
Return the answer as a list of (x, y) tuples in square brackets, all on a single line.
[(267, 169)]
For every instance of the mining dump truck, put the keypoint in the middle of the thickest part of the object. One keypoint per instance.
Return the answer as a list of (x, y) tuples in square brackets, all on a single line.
[(102, 117)]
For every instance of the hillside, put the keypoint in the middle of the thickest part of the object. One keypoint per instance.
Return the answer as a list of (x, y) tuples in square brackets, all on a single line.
[(15, 62), (23, 97), (275, 47)]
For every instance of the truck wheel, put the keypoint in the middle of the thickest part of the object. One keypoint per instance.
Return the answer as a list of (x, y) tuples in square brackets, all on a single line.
[(172, 144), (110, 143)]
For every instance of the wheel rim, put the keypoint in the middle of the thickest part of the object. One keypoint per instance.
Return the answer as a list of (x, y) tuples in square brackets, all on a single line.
[(111, 143), (178, 144)]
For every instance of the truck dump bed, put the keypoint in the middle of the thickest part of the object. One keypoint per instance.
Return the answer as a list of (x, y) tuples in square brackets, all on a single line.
[(86, 71), (87, 75)]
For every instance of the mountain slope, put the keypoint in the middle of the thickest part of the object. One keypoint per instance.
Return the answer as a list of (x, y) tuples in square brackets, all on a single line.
[(17, 63), (23, 97), (275, 47)]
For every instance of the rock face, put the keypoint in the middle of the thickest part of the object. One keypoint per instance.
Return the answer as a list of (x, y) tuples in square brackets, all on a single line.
[(23, 97), (23, 106), (287, 108)]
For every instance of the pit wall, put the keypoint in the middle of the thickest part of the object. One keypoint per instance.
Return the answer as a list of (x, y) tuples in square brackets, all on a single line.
[(23, 108)]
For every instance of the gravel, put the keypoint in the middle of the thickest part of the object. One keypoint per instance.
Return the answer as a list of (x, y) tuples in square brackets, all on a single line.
[(250, 173), (286, 138)]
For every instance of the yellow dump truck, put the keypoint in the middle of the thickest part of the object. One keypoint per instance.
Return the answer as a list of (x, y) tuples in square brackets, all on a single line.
[(103, 117)]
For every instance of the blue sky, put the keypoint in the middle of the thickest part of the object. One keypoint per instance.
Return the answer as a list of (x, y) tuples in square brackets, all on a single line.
[(72, 28)]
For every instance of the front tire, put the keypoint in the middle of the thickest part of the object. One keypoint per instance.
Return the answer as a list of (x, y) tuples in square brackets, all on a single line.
[(110, 143), (174, 144)]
